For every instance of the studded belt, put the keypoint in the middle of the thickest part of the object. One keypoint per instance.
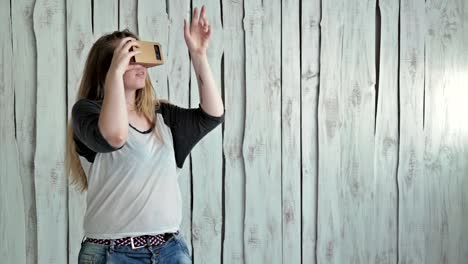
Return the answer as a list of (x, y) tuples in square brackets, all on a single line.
[(136, 241)]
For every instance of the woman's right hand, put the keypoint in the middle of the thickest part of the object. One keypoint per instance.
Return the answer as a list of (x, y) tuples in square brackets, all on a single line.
[(122, 54)]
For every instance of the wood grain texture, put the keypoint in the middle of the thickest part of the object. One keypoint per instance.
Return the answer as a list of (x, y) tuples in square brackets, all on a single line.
[(128, 15), (291, 131), (262, 142), (446, 133), (411, 181), (178, 63), (310, 70), (24, 83), (12, 210), (153, 25), (79, 41), (207, 172), (106, 17), (383, 231), (50, 182), (234, 102), (346, 131)]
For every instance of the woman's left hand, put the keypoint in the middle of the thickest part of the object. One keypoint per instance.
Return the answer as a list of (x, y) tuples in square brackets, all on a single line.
[(197, 34)]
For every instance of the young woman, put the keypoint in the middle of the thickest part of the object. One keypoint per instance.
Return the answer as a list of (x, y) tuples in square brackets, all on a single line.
[(125, 148)]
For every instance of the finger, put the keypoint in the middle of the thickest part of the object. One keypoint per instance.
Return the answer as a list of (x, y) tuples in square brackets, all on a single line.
[(129, 44), (123, 42), (203, 12), (195, 16), (131, 54), (202, 22), (203, 27), (206, 23)]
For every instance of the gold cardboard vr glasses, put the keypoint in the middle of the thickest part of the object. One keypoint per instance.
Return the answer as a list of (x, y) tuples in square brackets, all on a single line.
[(150, 56)]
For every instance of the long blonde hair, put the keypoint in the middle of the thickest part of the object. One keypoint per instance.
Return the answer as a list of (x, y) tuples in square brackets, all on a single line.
[(92, 87)]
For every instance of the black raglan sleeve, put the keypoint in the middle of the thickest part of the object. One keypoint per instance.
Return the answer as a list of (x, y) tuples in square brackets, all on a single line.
[(85, 117), (188, 127)]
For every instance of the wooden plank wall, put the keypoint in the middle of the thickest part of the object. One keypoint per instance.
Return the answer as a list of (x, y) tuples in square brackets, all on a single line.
[(345, 138), (262, 149), (12, 205), (346, 118), (51, 189)]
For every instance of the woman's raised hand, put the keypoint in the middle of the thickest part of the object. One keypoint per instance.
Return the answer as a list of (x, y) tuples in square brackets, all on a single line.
[(122, 54), (197, 34)]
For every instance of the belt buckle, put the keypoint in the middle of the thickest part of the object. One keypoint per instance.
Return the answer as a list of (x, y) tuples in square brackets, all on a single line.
[(133, 244)]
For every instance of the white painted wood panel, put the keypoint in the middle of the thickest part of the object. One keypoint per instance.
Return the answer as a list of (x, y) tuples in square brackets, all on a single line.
[(207, 155), (128, 15), (12, 211), (411, 180), (79, 41), (51, 113), (446, 132), (383, 231), (346, 131), (24, 83), (234, 103), (291, 131), (105, 17), (310, 70), (262, 141)]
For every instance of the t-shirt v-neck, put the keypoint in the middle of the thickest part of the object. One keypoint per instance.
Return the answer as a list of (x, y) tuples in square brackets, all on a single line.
[(139, 131)]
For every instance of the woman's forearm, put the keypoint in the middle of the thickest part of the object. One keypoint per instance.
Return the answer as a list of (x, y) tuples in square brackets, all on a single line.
[(210, 98), (113, 119)]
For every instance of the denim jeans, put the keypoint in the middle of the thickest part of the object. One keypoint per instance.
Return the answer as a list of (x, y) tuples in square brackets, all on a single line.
[(172, 251)]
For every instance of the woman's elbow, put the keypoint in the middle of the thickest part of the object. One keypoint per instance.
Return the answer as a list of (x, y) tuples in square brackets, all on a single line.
[(117, 140)]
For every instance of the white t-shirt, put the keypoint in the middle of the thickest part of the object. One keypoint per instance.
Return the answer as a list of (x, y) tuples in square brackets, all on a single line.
[(134, 190)]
